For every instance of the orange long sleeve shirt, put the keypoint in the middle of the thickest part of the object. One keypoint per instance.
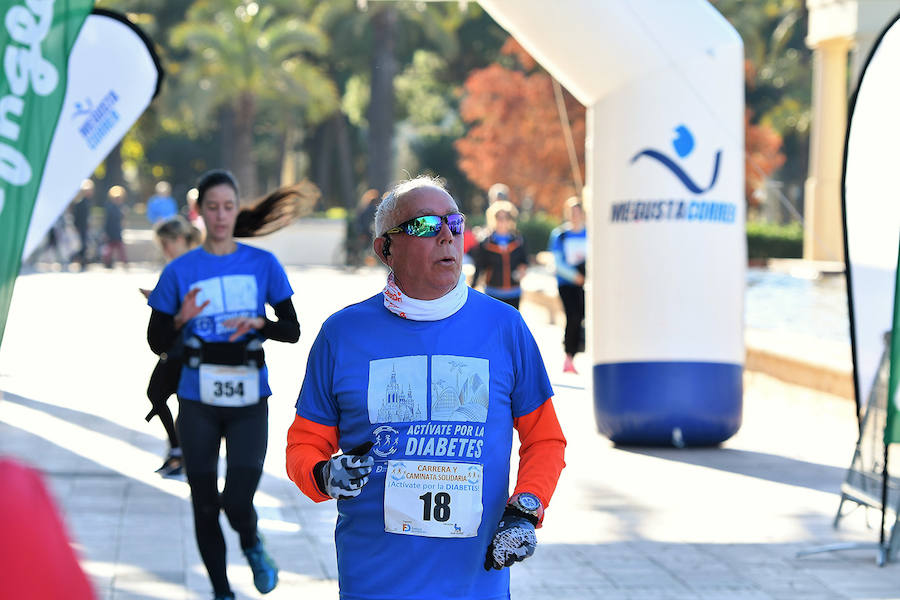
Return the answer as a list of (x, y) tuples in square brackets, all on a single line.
[(541, 452)]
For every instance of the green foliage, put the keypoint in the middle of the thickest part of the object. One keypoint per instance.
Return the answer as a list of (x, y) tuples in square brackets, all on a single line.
[(243, 49), (778, 74), (356, 99), (768, 240), (294, 76), (536, 231), (423, 94)]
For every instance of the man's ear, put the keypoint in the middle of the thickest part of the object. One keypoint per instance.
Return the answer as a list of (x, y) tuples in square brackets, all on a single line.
[(382, 250)]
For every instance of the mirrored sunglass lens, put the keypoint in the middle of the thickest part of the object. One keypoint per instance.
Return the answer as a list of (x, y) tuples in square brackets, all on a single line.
[(455, 223), (424, 226), (430, 225)]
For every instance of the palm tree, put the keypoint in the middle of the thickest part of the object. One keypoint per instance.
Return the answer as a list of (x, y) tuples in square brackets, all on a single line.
[(376, 42), (245, 54), (381, 102)]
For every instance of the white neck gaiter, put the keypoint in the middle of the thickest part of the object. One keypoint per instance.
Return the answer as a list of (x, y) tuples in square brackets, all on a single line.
[(424, 310)]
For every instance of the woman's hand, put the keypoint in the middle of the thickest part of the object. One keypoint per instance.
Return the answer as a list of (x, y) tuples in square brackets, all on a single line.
[(242, 325), (189, 308)]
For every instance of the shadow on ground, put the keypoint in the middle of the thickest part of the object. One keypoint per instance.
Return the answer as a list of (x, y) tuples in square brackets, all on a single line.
[(132, 530), (761, 465)]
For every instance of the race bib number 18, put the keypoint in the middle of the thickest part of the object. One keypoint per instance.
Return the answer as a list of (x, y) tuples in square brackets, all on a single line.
[(433, 499)]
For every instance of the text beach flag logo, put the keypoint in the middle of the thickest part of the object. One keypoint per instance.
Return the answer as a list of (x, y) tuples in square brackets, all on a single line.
[(73, 82)]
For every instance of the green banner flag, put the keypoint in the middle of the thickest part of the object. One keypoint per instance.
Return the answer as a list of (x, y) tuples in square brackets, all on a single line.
[(892, 425), (75, 82), (36, 40)]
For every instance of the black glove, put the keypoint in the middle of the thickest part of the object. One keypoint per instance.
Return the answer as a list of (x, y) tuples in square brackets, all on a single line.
[(342, 477), (515, 539)]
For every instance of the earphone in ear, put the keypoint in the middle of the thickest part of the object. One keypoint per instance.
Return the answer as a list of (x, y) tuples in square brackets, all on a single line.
[(386, 248)]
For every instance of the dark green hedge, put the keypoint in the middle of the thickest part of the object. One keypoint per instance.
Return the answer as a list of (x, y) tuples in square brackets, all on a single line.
[(536, 232), (766, 240)]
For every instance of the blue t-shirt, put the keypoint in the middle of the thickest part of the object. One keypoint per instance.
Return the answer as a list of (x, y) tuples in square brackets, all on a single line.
[(160, 208), (436, 398), (239, 284), (569, 250)]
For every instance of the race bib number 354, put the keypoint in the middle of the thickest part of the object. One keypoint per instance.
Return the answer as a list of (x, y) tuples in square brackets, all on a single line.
[(433, 499), (222, 385)]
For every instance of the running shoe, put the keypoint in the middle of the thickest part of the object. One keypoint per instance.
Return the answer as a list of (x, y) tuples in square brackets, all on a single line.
[(173, 467), (569, 366), (265, 572)]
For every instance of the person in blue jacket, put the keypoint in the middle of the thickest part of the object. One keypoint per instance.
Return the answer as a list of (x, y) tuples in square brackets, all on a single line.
[(161, 205), (213, 298), (568, 243)]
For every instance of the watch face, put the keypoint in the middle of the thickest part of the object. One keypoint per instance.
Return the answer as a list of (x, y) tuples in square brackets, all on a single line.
[(529, 502)]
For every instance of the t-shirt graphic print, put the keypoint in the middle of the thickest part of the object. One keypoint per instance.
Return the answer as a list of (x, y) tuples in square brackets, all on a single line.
[(459, 388), (229, 296), (398, 389)]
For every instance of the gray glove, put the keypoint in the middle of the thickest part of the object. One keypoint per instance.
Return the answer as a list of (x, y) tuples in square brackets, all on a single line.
[(514, 539), (342, 477)]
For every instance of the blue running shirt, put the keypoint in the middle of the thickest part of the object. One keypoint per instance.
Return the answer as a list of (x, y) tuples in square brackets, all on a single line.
[(438, 399), (569, 249), (239, 284)]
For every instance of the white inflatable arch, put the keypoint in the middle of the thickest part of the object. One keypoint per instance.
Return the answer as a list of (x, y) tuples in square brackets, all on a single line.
[(663, 85)]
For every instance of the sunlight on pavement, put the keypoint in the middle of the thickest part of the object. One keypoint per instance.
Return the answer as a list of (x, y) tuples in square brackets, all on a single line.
[(104, 450), (135, 580)]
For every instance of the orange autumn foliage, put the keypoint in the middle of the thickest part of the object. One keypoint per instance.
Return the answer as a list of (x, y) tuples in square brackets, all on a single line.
[(515, 134), (763, 155)]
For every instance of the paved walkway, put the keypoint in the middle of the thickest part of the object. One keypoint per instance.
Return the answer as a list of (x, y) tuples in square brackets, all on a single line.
[(626, 523)]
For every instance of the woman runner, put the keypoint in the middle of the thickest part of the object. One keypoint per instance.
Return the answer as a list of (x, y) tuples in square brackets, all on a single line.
[(214, 298)]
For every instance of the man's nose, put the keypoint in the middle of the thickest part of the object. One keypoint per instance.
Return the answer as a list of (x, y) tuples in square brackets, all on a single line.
[(444, 234)]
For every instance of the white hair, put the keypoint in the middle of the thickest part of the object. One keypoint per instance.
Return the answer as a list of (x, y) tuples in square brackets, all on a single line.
[(388, 213)]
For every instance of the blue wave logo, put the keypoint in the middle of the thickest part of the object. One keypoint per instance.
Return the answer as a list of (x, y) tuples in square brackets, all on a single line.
[(683, 145)]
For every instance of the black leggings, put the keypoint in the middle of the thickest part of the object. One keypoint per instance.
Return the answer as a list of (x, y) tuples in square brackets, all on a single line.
[(164, 383), (201, 428), (572, 297)]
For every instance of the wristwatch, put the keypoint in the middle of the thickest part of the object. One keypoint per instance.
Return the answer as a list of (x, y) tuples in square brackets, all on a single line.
[(526, 505)]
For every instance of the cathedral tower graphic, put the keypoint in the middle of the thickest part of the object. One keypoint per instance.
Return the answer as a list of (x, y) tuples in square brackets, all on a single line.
[(397, 405)]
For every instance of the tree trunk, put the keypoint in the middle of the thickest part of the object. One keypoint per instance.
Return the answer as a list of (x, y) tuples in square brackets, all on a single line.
[(287, 162), (381, 105), (226, 138), (345, 161), (245, 167), (114, 174), (324, 153)]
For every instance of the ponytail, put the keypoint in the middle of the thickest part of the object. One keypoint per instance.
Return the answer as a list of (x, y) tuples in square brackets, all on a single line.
[(276, 210)]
